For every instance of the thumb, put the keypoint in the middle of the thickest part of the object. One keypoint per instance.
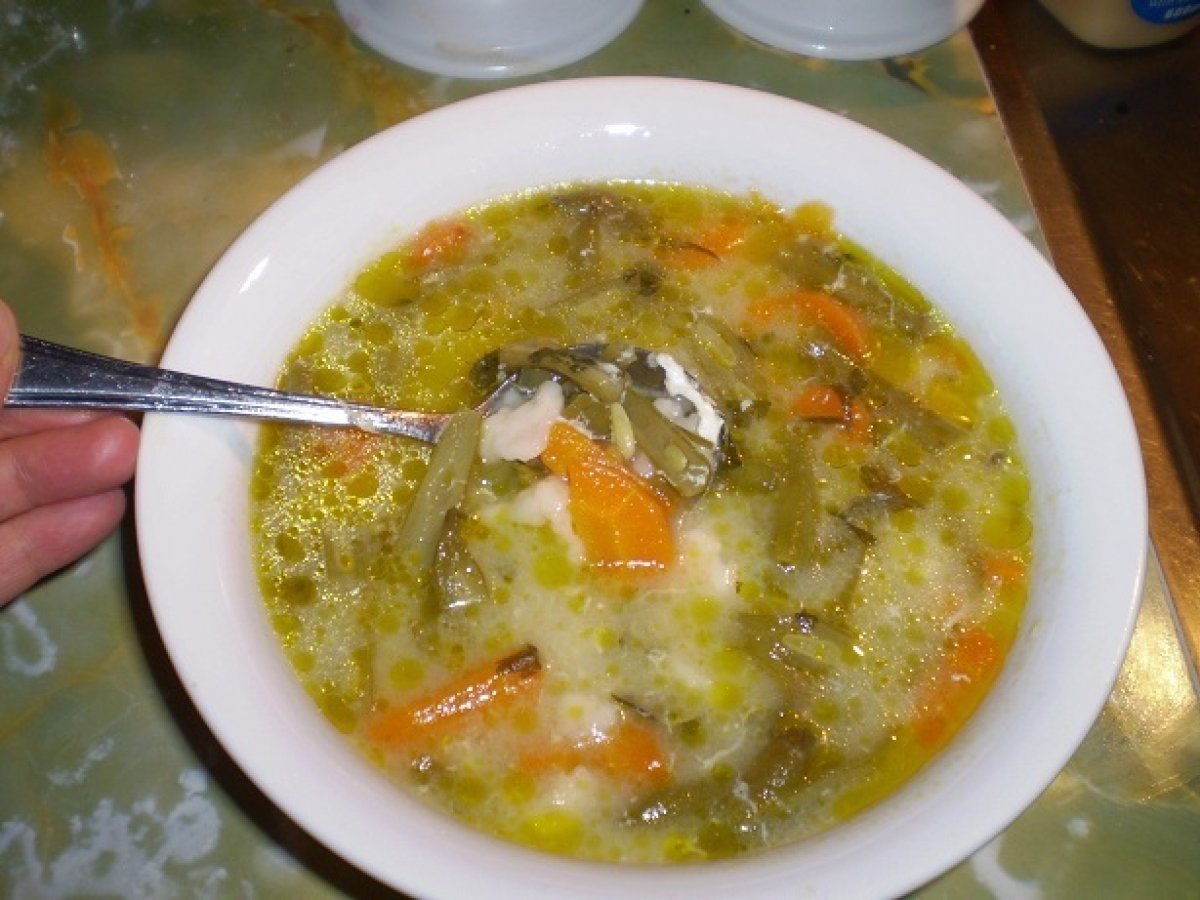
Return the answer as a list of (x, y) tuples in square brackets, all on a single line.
[(10, 349)]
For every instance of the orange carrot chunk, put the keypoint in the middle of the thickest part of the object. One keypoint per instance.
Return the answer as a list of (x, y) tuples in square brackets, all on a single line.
[(438, 243), (819, 401), (823, 402), (957, 688), (724, 236), (858, 421), (488, 688), (634, 753), (1002, 569), (845, 324), (622, 521), (710, 245), (631, 753)]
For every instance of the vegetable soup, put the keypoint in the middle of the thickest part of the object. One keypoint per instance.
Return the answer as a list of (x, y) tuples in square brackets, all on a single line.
[(626, 615)]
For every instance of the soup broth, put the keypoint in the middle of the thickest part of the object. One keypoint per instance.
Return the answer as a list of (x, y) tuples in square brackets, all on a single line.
[(597, 622)]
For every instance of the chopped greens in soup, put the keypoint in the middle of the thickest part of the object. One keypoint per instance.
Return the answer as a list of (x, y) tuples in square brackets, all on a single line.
[(614, 619)]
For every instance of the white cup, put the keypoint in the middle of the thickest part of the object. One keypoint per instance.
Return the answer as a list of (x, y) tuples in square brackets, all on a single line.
[(487, 38), (846, 29)]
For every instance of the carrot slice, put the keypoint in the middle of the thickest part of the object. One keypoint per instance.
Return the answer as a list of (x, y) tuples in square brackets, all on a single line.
[(954, 691), (725, 235), (819, 401), (488, 688), (858, 421), (622, 521), (631, 753), (634, 753), (438, 243), (1002, 569), (845, 324), (823, 402), (713, 243)]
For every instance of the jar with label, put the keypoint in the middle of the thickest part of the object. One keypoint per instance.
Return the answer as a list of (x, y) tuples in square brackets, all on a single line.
[(1125, 24)]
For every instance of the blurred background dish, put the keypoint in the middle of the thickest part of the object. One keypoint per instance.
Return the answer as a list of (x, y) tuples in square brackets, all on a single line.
[(487, 38), (846, 29)]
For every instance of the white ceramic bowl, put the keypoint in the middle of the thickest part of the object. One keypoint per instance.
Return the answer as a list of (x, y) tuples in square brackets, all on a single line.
[(487, 38), (1059, 385), (846, 29)]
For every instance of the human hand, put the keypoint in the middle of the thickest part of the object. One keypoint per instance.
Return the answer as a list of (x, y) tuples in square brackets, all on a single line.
[(61, 474)]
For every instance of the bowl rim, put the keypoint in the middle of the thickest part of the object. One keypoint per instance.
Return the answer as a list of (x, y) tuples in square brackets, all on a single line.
[(616, 122)]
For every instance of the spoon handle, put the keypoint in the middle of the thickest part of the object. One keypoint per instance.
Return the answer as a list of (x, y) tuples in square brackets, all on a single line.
[(54, 376)]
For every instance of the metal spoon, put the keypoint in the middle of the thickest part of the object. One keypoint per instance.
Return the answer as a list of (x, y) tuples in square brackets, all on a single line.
[(54, 376)]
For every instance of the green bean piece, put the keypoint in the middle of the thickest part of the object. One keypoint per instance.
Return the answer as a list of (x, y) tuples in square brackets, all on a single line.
[(772, 780), (346, 695), (898, 306), (723, 362), (623, 215), (603, 382), (752, 475), (442, 488), (642, 280), (829, 581), (889, 403), (582, 368), (592, 214), (885, 496), (685, 460), (527, 381), (583, 243), (807, 262), (794, 533), (458, 582), (503, 477), (594, 302), (694, 799), (784, 764), (589, 412), (802, 643), (490, 370), (903, 410), (865, 513)]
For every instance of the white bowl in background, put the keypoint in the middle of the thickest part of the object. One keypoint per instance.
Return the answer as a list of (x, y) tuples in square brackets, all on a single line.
[(1059, 386), (846, 29), (487, 38)]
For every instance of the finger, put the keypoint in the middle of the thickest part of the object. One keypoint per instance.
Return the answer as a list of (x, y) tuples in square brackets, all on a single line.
[(62, 464), (16, 422), (46, 539), (10, 349)]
